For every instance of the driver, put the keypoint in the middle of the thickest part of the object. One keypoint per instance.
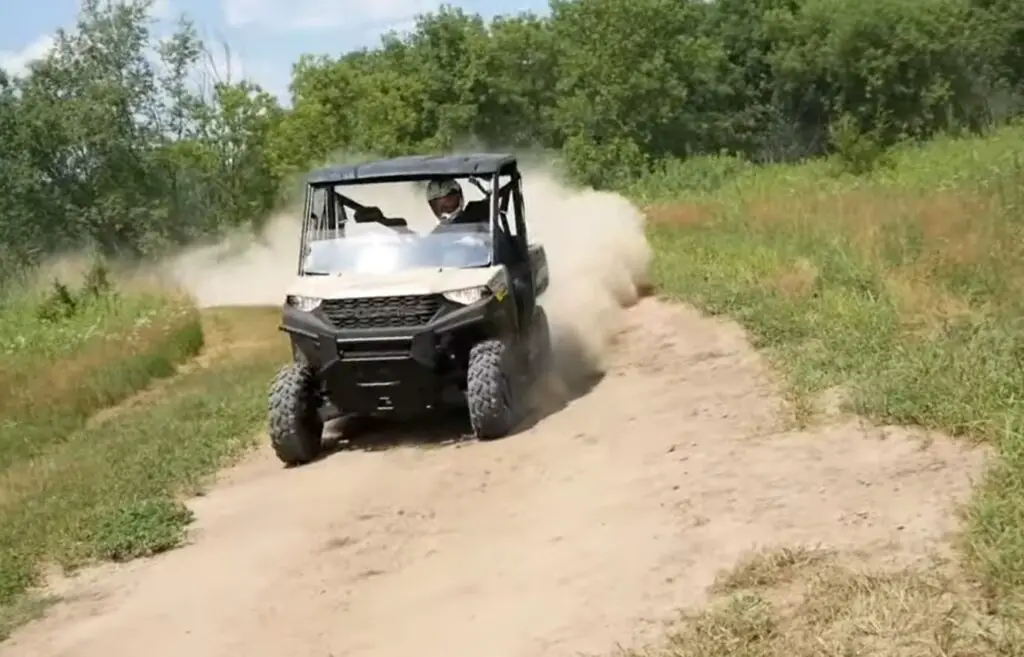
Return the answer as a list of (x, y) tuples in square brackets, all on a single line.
[(449, 205)]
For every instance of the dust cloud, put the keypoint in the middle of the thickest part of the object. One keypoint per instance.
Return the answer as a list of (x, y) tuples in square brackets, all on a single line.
[(242, 269), (597, 253), (598, 257)]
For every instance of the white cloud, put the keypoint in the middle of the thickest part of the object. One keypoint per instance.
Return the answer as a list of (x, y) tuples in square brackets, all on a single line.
[(322, 14), (16, 62), (161, 9)]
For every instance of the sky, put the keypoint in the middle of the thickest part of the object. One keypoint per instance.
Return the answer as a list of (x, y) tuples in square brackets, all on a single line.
[(264, 36)]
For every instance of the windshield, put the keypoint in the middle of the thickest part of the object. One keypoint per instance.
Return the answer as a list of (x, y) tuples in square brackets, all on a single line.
[(386, 251)]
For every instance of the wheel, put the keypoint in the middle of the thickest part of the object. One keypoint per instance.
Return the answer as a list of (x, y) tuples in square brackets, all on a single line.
[(295, 426), (490, 389), (541, 350)]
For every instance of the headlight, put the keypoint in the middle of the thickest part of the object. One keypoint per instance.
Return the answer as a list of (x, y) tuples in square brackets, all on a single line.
[(305, 304), (467, 295)]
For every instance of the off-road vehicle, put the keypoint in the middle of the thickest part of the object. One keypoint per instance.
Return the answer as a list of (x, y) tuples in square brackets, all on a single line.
[(388, 321)]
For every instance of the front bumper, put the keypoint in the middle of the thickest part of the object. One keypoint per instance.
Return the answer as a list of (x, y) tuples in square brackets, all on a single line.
[(393, 369)]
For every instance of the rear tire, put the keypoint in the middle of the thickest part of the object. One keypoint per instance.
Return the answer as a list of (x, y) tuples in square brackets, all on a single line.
[(491, 389), (295, 428), (542, 353)]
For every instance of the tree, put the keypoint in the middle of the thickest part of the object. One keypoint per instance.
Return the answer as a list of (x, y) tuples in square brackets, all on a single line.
[(109, 146)]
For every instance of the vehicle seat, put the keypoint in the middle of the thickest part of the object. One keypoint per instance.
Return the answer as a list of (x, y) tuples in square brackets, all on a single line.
[(474, 212), (367, 215), (375, 215)]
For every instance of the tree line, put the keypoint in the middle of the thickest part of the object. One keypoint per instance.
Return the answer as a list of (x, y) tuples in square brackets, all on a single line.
[(131, 143)]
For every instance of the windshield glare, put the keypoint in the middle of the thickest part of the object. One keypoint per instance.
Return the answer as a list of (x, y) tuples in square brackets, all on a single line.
[(387, 251)]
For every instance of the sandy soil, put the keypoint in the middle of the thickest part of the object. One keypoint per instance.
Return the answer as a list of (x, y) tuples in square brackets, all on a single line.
[(579, 534)]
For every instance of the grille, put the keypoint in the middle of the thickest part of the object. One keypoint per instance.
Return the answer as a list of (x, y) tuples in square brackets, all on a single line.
[(381, 312)]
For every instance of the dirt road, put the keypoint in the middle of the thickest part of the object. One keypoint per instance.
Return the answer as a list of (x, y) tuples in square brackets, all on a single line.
[(580, 534)]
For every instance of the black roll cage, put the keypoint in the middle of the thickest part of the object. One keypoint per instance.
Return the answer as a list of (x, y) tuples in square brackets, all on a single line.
[(333, 218)]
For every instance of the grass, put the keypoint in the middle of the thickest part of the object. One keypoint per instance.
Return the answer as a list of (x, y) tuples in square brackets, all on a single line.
[(112, 488), (23, 610), (71, 352), (902, 289)]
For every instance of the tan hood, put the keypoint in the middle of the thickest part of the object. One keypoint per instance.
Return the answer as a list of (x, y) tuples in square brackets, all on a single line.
[(409, 282)]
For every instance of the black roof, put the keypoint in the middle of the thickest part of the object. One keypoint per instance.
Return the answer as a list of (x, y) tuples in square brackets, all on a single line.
[(414, 167)]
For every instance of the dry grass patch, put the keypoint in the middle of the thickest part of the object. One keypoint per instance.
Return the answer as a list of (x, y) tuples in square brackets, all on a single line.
[(681, 215), (924, 307), (940, 229), (798, 279), (802, 603), (233, 331), (769, 568)]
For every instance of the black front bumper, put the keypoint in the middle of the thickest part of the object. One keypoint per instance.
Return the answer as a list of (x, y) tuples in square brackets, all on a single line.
[(400, 369)]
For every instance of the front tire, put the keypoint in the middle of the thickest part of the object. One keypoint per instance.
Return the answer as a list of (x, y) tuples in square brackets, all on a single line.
[(295, 428), (490, 389)]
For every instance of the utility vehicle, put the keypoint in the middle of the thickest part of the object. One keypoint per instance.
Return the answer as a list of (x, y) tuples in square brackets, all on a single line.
[(386, 321)]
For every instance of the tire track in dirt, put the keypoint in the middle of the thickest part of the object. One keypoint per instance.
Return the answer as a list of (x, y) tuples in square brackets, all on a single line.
[(581, 533)]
